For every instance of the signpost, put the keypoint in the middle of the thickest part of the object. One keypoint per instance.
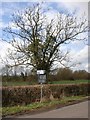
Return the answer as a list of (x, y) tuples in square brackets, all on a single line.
[(41, 76), (41, 79)]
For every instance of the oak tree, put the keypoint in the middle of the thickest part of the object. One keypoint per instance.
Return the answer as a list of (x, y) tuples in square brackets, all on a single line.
[(37, 41)]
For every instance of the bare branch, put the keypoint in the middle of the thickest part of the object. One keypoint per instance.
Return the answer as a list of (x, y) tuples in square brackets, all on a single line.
[(36, 41)]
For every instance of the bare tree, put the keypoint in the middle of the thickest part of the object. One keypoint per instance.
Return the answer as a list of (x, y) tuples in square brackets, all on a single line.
[(37, 41), (65, 74)]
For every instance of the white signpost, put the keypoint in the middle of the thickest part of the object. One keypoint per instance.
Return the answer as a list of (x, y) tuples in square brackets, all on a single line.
[(41, 76), (41, 79)]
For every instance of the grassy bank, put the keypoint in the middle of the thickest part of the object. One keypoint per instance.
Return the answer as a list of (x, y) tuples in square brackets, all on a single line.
[(24, 83), (35, 106)]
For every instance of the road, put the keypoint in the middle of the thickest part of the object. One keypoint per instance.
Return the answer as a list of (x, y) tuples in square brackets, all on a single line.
[(79, 110)]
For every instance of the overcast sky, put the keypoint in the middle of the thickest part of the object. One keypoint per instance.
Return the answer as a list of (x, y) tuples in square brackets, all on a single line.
[(79, 50)]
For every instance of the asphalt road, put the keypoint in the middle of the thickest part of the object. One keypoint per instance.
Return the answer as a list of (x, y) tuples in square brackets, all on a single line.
[(73, 111)]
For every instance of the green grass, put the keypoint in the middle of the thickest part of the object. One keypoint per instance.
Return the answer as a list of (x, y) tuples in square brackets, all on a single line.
[(17, 83), (17, 109), (24, 83), (70, 82), (0, 111)]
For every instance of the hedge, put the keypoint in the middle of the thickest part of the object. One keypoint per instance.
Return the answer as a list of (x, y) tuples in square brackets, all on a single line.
[(23, 95)]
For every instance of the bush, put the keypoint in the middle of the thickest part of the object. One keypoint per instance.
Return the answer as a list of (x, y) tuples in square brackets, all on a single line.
[(28, 94)]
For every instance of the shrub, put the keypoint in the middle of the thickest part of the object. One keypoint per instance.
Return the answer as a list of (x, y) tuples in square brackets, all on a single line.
[(28, 94)]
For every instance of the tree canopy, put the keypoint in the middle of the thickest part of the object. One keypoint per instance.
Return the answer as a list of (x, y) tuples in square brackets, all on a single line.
[(37, 41)]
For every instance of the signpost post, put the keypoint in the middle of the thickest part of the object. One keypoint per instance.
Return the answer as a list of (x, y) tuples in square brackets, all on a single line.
[(41, 92), (41, 79)]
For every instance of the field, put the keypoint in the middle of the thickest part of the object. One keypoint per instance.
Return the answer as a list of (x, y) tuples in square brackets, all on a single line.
[(24, 83), (70, 82)]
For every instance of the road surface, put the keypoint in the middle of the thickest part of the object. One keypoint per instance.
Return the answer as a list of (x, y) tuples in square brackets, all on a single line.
[(79, 110)]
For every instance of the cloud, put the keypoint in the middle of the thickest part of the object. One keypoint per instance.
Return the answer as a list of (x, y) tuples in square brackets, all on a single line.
[(80, 57), (87, 67), (3, 51), (79, 54), (4, 48), (44, 0), (83, 54), (76, 8)]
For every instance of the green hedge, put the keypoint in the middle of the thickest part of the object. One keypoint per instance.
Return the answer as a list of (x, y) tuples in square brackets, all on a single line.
[(12, 96)]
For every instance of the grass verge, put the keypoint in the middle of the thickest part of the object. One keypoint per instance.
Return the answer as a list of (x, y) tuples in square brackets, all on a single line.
[(36, 106), (25, 83)]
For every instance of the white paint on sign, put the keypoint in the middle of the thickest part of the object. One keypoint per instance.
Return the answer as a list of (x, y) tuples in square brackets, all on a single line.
[(40, 71)]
